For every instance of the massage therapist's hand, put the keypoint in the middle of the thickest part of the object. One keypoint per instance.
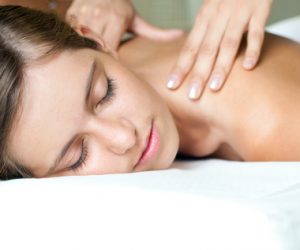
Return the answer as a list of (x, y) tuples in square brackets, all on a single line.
[(213, 43), (110, 19)]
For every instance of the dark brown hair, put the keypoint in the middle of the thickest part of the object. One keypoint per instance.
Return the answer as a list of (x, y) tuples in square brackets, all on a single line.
[(26, 36)]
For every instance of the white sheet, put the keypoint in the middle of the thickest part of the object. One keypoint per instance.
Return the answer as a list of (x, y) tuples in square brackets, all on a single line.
[(207, 205)]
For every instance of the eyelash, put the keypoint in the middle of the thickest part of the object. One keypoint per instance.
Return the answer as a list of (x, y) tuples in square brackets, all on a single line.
[(82, 159), (84, 152), (109, 93)]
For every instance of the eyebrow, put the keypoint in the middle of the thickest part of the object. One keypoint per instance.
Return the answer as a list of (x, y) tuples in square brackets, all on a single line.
[(88, 89)]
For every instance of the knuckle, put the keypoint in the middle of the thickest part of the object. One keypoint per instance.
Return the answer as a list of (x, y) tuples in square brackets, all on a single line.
[(118, 14), (189, 50), (117, 17), (223, 68), (202, 76), (230, 43), (184, 65), (176, 69), (253, 53), (83, 9), (180, 69), (96, 12), (184, 68), (198, 76), (257, 34), (207, 49), (201, 73)]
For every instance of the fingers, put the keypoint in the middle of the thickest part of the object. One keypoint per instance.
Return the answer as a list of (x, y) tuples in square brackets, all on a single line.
[(227, 53), (255, 37), (187, 55), (112, 35), (140, 27), (254, 44), (205, 59)]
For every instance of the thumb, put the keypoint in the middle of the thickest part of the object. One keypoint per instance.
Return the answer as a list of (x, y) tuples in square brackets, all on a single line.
[(141, 28)]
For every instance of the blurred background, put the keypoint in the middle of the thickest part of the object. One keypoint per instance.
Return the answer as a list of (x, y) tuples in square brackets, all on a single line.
[(181, 13), (171, 13)]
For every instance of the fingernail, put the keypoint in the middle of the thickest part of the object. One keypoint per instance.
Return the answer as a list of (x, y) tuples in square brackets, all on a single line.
[(215, 82), (172, 82), (248, 63), (194, 90)]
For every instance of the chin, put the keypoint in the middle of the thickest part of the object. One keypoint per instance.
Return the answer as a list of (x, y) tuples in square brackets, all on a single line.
[(164, 160), (169, 155)]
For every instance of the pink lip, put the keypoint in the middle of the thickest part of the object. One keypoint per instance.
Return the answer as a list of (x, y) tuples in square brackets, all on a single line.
[(153, 143)]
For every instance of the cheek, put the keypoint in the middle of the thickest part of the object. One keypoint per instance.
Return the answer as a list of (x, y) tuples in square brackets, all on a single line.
[(102, 161), (139, 92), (130, 90), (123, 76), (140, 98)]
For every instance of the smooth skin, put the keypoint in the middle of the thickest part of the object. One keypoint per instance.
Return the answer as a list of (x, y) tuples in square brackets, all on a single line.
[(254, 118)]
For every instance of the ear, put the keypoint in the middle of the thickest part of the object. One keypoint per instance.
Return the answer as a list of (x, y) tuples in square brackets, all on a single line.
[(102, 46)]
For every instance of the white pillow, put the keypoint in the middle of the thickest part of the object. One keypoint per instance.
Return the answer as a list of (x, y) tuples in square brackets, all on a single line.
[(289, 28)]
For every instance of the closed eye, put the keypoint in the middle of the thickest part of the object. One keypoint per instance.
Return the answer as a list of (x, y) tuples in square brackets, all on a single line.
[(110, 93), (82, 159)]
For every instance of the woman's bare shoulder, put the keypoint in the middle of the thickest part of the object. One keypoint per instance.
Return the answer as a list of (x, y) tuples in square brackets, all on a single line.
[(271, 102), (259, 109)]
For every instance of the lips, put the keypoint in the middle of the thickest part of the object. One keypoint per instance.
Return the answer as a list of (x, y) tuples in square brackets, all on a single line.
[(151, 147)]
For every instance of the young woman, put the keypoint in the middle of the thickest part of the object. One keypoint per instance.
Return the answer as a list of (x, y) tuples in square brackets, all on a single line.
[(68, 109)]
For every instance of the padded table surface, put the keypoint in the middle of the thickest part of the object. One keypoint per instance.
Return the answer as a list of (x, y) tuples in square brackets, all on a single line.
[(207, 205)]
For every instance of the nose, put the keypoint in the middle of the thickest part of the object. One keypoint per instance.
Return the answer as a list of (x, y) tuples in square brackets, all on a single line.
[(118, 136)]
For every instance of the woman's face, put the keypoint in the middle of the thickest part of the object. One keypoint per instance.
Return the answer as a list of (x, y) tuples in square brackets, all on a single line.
[(83, 113)]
